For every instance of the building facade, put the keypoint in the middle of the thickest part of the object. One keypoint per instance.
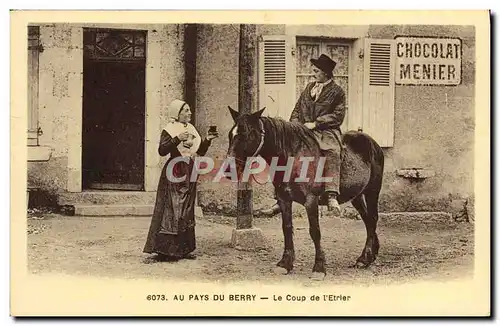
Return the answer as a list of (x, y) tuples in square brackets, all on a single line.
[(98, 96)]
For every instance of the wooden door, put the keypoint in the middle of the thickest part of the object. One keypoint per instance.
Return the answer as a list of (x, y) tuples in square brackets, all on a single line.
[(114, 110)]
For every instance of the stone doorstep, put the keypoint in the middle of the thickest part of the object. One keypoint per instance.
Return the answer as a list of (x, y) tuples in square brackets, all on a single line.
[(113, 210), (107, 198), (112, 203), (120, 210)]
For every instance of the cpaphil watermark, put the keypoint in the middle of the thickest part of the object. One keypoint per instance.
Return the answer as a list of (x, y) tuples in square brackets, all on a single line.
[(302, 169)]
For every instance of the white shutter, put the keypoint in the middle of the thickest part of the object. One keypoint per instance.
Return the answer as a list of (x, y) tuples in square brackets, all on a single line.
[(276, 75), (378, 90)]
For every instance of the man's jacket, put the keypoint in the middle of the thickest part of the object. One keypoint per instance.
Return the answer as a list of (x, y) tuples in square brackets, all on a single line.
[(327, 112)]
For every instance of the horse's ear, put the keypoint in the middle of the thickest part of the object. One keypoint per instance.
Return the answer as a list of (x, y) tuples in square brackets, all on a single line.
[(258, 114), (234, 114)]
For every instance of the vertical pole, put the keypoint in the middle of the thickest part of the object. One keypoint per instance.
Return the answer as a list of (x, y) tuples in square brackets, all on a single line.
[(190, 50), (247, 91), (190, 44)]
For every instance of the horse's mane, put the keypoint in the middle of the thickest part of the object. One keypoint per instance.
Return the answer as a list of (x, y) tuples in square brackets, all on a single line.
[(288, 137)]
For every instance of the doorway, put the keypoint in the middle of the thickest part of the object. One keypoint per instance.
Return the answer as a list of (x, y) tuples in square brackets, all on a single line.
[(113, 135), (337, 49)]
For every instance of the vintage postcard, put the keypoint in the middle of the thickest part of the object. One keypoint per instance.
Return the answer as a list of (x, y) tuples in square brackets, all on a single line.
[(248, 163)]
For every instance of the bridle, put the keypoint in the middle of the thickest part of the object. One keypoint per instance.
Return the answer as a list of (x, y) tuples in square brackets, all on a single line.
[(262, 135), (257, 151)]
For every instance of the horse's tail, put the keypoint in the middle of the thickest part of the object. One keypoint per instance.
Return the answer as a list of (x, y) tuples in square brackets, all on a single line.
[(370, 151), (376, 153), (365, 146)]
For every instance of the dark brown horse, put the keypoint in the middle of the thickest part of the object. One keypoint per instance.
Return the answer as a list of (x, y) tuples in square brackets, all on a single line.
[(360, 181)]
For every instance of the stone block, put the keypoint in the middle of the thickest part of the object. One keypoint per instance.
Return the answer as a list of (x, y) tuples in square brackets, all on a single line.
[(416, 173), (417, 216), (39, 153), (248, 239)]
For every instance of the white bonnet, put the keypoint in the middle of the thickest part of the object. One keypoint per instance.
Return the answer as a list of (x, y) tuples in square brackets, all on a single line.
[(174, 108)]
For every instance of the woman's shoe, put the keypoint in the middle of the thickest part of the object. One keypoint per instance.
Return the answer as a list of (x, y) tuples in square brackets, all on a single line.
[(189, 256), (162, 257)]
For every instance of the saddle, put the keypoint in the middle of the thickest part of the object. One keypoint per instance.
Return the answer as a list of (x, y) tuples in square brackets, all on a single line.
[(340, 142)]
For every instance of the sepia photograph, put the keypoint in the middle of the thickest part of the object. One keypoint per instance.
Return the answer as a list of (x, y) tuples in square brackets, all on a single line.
[(251, 164)]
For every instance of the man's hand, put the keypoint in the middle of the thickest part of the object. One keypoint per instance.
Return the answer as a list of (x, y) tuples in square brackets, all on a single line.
[(310, 125)]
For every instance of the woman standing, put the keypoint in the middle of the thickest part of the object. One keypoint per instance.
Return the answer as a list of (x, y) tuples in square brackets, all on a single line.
[(172, 230)]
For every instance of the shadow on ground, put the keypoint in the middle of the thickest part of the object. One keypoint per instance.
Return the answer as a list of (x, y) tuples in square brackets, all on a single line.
[(112, 246)]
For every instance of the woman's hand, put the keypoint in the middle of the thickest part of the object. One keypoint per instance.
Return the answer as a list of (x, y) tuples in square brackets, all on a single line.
[(184, 136), (310, 125), (212, 135)]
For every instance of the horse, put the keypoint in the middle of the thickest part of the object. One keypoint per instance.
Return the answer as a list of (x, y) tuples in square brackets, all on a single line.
[(362, 167)]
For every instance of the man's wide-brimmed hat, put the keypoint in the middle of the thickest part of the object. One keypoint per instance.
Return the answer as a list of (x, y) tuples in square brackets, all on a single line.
[(325, 63)]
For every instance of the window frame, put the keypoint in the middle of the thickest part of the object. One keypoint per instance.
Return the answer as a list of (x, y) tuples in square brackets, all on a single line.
[(323, 43)]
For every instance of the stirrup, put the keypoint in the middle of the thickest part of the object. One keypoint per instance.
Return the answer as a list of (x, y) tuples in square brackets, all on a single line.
[(273, 210)]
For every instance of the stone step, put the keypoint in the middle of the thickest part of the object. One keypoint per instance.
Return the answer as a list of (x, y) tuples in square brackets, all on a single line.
[(121, 210), (107, 198), (113, 210)]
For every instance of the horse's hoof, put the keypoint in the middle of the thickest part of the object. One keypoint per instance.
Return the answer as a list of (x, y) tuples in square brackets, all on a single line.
[(317, 276), (280, 270), (360, 265)]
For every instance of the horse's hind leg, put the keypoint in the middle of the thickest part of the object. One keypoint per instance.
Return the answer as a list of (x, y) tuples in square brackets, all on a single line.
[(311, 206), (372, 205), (285, 265), (369, 214)]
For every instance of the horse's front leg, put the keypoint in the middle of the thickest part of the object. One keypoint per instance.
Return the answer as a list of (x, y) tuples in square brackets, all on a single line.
[(319, 270), (285, 265)]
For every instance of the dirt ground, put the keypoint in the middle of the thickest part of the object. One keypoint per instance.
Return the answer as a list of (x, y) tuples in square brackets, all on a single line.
[(112, 246)]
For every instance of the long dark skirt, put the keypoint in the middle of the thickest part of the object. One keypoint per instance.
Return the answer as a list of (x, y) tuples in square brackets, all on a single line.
[(176, 245), (172, 229)]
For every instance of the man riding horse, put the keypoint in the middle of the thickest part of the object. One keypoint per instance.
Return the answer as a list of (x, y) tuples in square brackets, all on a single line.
[(321, 108)]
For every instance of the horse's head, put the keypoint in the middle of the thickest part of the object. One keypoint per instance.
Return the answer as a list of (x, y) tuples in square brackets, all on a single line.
[(245, 137)]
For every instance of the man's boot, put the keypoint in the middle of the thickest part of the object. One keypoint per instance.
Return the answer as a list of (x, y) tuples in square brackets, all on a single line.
[(333, 204), (332, 169)]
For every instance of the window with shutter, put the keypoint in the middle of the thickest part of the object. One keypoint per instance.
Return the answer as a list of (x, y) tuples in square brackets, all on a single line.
[(274, 62), (308, 48), (33, 52), (378, 90), (276, 71)]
